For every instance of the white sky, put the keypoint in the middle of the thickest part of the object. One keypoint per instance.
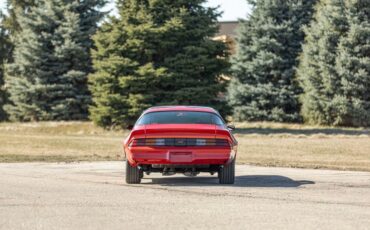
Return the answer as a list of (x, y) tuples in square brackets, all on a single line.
[(233, 9)]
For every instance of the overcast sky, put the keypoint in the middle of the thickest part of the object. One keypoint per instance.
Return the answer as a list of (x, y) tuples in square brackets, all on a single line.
[(233, 9)]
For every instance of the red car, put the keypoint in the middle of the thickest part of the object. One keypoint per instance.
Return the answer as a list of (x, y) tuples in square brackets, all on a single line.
[(180, 139)]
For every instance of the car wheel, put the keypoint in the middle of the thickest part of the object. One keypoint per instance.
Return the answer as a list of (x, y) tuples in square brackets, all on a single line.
[(141, 174), (226, 174), (132, 174)]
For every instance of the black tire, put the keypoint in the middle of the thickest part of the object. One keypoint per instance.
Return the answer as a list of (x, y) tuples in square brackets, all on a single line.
[(132, 174), (226, 175), (141, 174)]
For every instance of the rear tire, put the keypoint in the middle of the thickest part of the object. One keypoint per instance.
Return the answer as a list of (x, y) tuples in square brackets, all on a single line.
[(141, 174), (226, 175), (132, 174)]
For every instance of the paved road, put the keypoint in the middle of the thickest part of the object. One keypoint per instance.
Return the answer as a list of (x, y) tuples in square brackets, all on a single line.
[(94, 196)]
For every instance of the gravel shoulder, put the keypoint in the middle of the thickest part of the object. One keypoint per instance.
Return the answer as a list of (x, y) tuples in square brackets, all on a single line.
[(95, 196)]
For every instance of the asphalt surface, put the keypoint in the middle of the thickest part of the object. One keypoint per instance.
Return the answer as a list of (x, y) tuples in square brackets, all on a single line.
[(95, 196)]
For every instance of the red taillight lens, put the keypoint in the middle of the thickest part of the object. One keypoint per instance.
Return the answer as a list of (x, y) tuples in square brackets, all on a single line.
[(180, 142), (138, 142)]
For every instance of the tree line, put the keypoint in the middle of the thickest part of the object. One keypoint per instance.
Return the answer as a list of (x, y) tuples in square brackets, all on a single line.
[(296, 61)]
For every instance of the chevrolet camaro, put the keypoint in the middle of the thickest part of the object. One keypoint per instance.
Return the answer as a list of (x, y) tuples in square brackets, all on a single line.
[(180, 139)]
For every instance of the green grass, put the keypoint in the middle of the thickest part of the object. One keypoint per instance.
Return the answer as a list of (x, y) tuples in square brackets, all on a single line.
[(267, 144)]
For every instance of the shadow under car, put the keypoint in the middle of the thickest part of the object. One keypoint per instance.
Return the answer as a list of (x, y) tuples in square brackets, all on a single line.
[(274, 181)]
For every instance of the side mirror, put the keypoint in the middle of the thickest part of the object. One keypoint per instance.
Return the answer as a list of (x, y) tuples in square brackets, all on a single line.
[(231, 127), (130, 127)]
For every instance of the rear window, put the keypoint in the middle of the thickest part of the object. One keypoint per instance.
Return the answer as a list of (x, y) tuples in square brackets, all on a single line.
[(180, 117)]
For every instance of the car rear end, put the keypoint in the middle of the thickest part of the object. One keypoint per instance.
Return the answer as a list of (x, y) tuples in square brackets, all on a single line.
[(191, 146)]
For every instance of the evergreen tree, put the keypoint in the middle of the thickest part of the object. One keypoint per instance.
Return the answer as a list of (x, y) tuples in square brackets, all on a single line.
[(263, 87), (4, 55), (334, 69), (10, 23), (352, 98), (48, 79), (14, 8), (157, 52)]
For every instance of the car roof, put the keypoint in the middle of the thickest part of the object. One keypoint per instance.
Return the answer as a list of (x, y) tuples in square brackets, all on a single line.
[(181, 108)]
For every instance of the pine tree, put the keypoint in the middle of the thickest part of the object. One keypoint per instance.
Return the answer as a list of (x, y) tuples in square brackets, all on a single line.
[(48, 79), (14, 8), (317, 71), (334, 69), (157, 52), (263, 87), (4, 55), (352, 98), (11, 24)]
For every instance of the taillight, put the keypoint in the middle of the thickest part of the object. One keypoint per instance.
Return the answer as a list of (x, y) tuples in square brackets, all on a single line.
[(180, 142)]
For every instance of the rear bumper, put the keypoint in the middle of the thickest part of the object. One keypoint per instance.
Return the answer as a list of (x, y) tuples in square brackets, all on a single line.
[(179, 155)]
